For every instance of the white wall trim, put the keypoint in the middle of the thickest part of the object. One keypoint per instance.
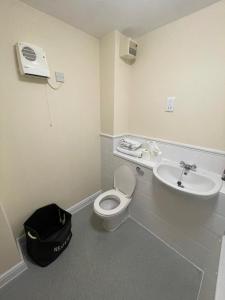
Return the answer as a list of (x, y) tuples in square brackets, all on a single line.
[(21, 266), (12, 273), (189, 146), (81, 204), (73, 209), (112, 136)]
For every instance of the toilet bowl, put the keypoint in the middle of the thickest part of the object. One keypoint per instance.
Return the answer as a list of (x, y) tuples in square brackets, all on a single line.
[(112, 206)]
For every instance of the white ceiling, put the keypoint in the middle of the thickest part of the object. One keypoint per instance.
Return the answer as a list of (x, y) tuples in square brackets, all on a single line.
[(131, 17)]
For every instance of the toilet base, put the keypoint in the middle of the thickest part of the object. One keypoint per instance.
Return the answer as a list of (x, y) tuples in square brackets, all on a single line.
[(112, 223)]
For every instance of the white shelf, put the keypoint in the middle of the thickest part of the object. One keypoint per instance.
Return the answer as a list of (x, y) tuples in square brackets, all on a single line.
[(140, 161)]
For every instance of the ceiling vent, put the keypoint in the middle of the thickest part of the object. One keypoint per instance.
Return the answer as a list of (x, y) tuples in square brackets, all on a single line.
[(128, 48)]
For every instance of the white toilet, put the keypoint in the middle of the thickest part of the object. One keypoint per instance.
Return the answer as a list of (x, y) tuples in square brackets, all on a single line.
[(112, 206)]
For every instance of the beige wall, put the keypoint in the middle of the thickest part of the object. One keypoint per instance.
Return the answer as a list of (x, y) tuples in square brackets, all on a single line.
[(107, 75), (8, 249), (185, 59), (115, 85), (39, 163), (121, 90)]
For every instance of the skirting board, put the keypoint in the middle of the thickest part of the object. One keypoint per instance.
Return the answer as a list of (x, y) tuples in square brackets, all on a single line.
[(81, 204), (21, 266), (12, 273)]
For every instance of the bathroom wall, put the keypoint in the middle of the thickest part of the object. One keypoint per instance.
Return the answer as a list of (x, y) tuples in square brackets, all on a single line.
[(191, 225), (122, 89), (41, 163), (184, 59), (9, 253), (115, 75), (107, 77)]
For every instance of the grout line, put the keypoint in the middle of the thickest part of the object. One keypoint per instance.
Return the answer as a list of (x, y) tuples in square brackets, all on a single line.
[(168, 245)]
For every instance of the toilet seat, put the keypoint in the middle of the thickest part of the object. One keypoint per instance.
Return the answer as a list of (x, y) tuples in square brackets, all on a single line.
[(118, 196)]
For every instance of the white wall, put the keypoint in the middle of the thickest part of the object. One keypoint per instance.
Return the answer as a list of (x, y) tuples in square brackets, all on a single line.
[(184, 59), (115, 76), (107, 78), (42, 164), (122, 89)]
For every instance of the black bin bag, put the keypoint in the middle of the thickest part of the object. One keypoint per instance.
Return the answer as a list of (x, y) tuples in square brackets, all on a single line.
[(48, 233)]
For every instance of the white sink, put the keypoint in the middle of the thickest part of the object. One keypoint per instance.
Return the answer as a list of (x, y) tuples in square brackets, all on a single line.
[(199, 182)]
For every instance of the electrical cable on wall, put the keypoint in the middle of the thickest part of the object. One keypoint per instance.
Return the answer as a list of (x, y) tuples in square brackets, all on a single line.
[(52, 86), (48, 108), (59, 78)]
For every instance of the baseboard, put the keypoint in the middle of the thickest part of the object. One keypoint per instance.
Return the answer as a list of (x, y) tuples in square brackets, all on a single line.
[(21, 266), (12, 273), (81, 204), (73, 209)]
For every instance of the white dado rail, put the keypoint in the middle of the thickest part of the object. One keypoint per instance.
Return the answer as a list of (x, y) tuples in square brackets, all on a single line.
[(211, 160)]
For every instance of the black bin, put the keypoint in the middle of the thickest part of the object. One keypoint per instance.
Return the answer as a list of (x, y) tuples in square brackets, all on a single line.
[(48, 233)]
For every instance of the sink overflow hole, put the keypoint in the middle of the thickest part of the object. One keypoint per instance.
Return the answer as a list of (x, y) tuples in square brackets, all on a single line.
[(179, 183)]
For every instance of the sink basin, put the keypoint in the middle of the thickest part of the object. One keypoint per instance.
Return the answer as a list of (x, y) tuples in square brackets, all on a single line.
[(199, 182)]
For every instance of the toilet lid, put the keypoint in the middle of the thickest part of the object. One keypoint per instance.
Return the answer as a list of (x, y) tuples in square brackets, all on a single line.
[(124, 180)]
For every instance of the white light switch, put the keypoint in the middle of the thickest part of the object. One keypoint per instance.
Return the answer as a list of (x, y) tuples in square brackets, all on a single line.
[(170, 104), (59, 77)]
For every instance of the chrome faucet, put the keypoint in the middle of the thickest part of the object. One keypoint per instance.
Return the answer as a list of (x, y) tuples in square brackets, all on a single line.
[(188, 167)]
